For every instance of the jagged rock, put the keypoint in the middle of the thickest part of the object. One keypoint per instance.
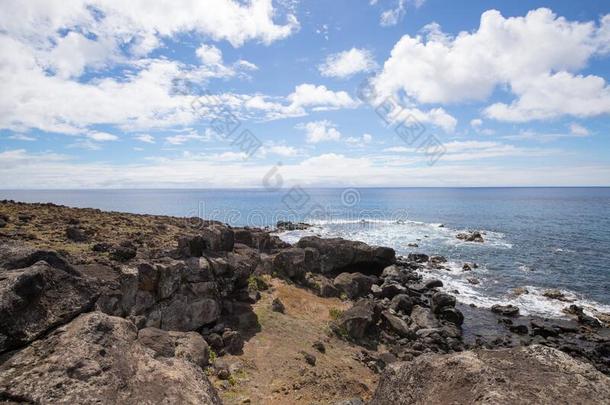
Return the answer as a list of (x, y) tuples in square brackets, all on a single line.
[(309, 358), (186, 345), (322, 285), (218, 238), (191, 246), (397, 325), (389, 289), (338, 255), (215, 341), (233, 342), (354, 285), (423, 318), (584, 318), (438, 259), (473, 280), (402, 303), (37, 298), (294, 263), (418, 257), (506, 310), (534, 374), (97, 358), (291, 226), (277, 306), (555, 294), (101, 247), (358, 321), (319, 346), (474, 236)]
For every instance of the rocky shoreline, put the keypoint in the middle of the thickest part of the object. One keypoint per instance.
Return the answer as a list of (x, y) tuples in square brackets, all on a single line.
[(114, 307)]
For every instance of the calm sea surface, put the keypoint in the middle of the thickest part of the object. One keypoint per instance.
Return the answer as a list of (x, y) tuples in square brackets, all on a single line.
[(537, 238)]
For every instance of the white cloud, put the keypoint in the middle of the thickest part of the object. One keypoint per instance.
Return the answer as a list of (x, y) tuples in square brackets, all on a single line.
[(282, 150), (476, 123), (347, 63), (209, 54), (394, 15), (534, 56), (578, 130), (320, 131), (101, 136), (359, 142), (320, 98), (147, 138), (180, 139), (22, 137)]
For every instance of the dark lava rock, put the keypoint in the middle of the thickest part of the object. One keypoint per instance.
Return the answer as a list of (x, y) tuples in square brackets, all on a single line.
[(470, 236), (123, 253), (218, 238), (277, 306), (402, 303), (452, 315), (291, 226), (397, 325), (309, 358), (519, 329), (418, 257), (76, 234), (584, 318), (233, 342), (215, 341), (101, 247), (506, 310), (187, 345), (37, 298), (295, 263), (433, 283), (440, 300), (358, 321), (354, 285), (191, 246)]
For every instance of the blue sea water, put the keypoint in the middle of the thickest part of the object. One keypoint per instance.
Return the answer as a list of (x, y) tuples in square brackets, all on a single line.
[(537, 238)]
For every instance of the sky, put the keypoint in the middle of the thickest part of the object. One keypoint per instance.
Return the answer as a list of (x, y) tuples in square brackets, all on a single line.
[(378, 93)]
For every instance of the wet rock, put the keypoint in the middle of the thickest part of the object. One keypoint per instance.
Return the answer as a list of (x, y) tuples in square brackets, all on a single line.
[(291, 226), (277, 306), (534, 374), (452, 315), (555, 294), (412, 245), (474, 236), (473, 280), (519, 329), (440, 300), (466, 267), (505, 310), (76, 234), (354, 285), (584, 318), (520, 291), (97, 358), (38, 298), (418, 257), (438, 259), (433, 283), (358, 321)]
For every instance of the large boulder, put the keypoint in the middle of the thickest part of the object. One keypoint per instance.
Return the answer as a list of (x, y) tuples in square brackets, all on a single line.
[(186, 345), (37, 298), (354, 285), (218, 237), (359, 320), (294, 263), (524, 375), (97, 358), (339, 255)]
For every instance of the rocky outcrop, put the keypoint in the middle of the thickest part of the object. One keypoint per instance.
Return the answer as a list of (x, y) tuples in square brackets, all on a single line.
[(339, 255), (474, 236), (354, 285), (37, 298), (98, 358), (534, 374)]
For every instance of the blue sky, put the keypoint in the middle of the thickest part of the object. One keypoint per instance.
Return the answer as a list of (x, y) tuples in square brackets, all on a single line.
[(104, 93)]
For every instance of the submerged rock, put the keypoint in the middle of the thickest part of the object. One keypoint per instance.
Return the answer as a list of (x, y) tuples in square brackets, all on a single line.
[(506, 310), (534, 374), (474, 236)]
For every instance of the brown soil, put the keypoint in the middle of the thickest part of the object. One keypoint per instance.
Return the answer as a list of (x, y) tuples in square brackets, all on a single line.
[(273, 369)]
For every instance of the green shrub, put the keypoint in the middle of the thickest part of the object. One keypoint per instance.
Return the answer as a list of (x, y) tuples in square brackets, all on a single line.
[(256, 283), (335, 313)]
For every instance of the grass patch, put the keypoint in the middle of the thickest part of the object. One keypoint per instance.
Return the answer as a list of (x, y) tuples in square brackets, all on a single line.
[(335, 313), (257, 283)]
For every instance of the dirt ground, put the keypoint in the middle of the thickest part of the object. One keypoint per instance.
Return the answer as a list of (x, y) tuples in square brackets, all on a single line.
[(273, 370)]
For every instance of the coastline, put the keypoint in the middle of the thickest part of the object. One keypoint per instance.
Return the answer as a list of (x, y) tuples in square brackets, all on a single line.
[(187, 274)]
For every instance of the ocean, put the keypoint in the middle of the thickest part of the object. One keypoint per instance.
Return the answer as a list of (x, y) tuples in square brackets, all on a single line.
[(537, 238)]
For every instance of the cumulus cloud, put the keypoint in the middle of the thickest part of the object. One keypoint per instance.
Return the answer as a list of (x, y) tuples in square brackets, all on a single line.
[(359, 142), (146, 138), (535, 57), (394, 15), (578, 130), (320, 131), (348, 63)]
